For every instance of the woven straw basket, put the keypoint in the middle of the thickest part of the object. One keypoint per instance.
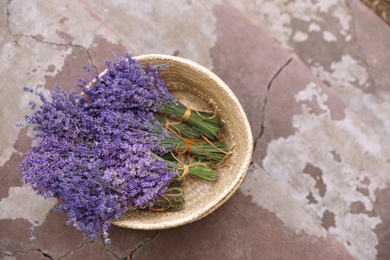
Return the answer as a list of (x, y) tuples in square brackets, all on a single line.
[(198, 87)]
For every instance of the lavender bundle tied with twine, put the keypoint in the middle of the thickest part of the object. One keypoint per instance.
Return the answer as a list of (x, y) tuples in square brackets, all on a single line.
[(123, 144)]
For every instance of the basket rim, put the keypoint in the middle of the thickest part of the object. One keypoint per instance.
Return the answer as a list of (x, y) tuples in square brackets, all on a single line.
[(228, 190)]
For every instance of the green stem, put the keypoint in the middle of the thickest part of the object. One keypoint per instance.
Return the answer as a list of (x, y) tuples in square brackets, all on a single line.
[(202, 170), (209, 126)]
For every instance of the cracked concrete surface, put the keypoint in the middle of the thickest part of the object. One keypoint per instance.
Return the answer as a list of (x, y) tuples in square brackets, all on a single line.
[(348, 21), (311, 77), (265, 103)]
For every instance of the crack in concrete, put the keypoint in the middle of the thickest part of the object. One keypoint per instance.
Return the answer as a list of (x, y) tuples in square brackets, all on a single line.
[(360, 48), (112, 253), (265, 104), (75, 249), (141, 244), (19, 253), (107, 249), (84, 49), (45, 254)]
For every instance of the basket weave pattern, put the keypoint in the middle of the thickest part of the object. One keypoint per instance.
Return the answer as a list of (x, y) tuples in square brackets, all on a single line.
[(198, 87)]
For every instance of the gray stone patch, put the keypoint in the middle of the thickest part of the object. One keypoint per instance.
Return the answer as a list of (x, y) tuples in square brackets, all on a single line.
[(269, 195), (26, 204)]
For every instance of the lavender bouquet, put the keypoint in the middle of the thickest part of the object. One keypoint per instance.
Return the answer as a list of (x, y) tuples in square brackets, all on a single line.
[(107, 151), (97, 169)]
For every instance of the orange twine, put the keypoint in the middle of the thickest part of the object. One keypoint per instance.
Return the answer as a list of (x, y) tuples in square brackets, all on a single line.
[(188, 142), (164, 196), (187, 114), (168, 124), (222, 151), (186, 167), (188, 148)]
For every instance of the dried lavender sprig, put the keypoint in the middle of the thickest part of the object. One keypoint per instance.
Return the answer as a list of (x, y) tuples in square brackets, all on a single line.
[(206, 151), (195, 169), (180, 128), (207, 124), (131, 86)]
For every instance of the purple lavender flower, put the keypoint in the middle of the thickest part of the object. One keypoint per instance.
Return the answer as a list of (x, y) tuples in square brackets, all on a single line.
[(96, 182), (126, 85), (97, 161)]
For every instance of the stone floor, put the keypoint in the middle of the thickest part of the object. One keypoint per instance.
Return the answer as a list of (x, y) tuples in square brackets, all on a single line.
[(313, 78)]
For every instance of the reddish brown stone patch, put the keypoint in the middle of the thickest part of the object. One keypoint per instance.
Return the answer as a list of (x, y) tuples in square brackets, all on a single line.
[(66, 37), (366, 181), (328, 220), (68, 75), (176, 53), (382, 230), (363, 191), (14, 235), (73, 65), (102, 49), (245, 59), (336, 156), (11, 174), (316, 173), (23, 142), (50, 68), (64, 19), (39, 37), (337, 107), (239, 229), (357, 207), (311, 198)]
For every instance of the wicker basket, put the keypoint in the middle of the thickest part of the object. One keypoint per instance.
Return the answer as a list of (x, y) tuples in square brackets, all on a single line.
[(198, 87)]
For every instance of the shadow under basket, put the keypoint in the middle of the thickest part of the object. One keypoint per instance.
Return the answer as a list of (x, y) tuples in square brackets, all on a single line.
[(198, 87)]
